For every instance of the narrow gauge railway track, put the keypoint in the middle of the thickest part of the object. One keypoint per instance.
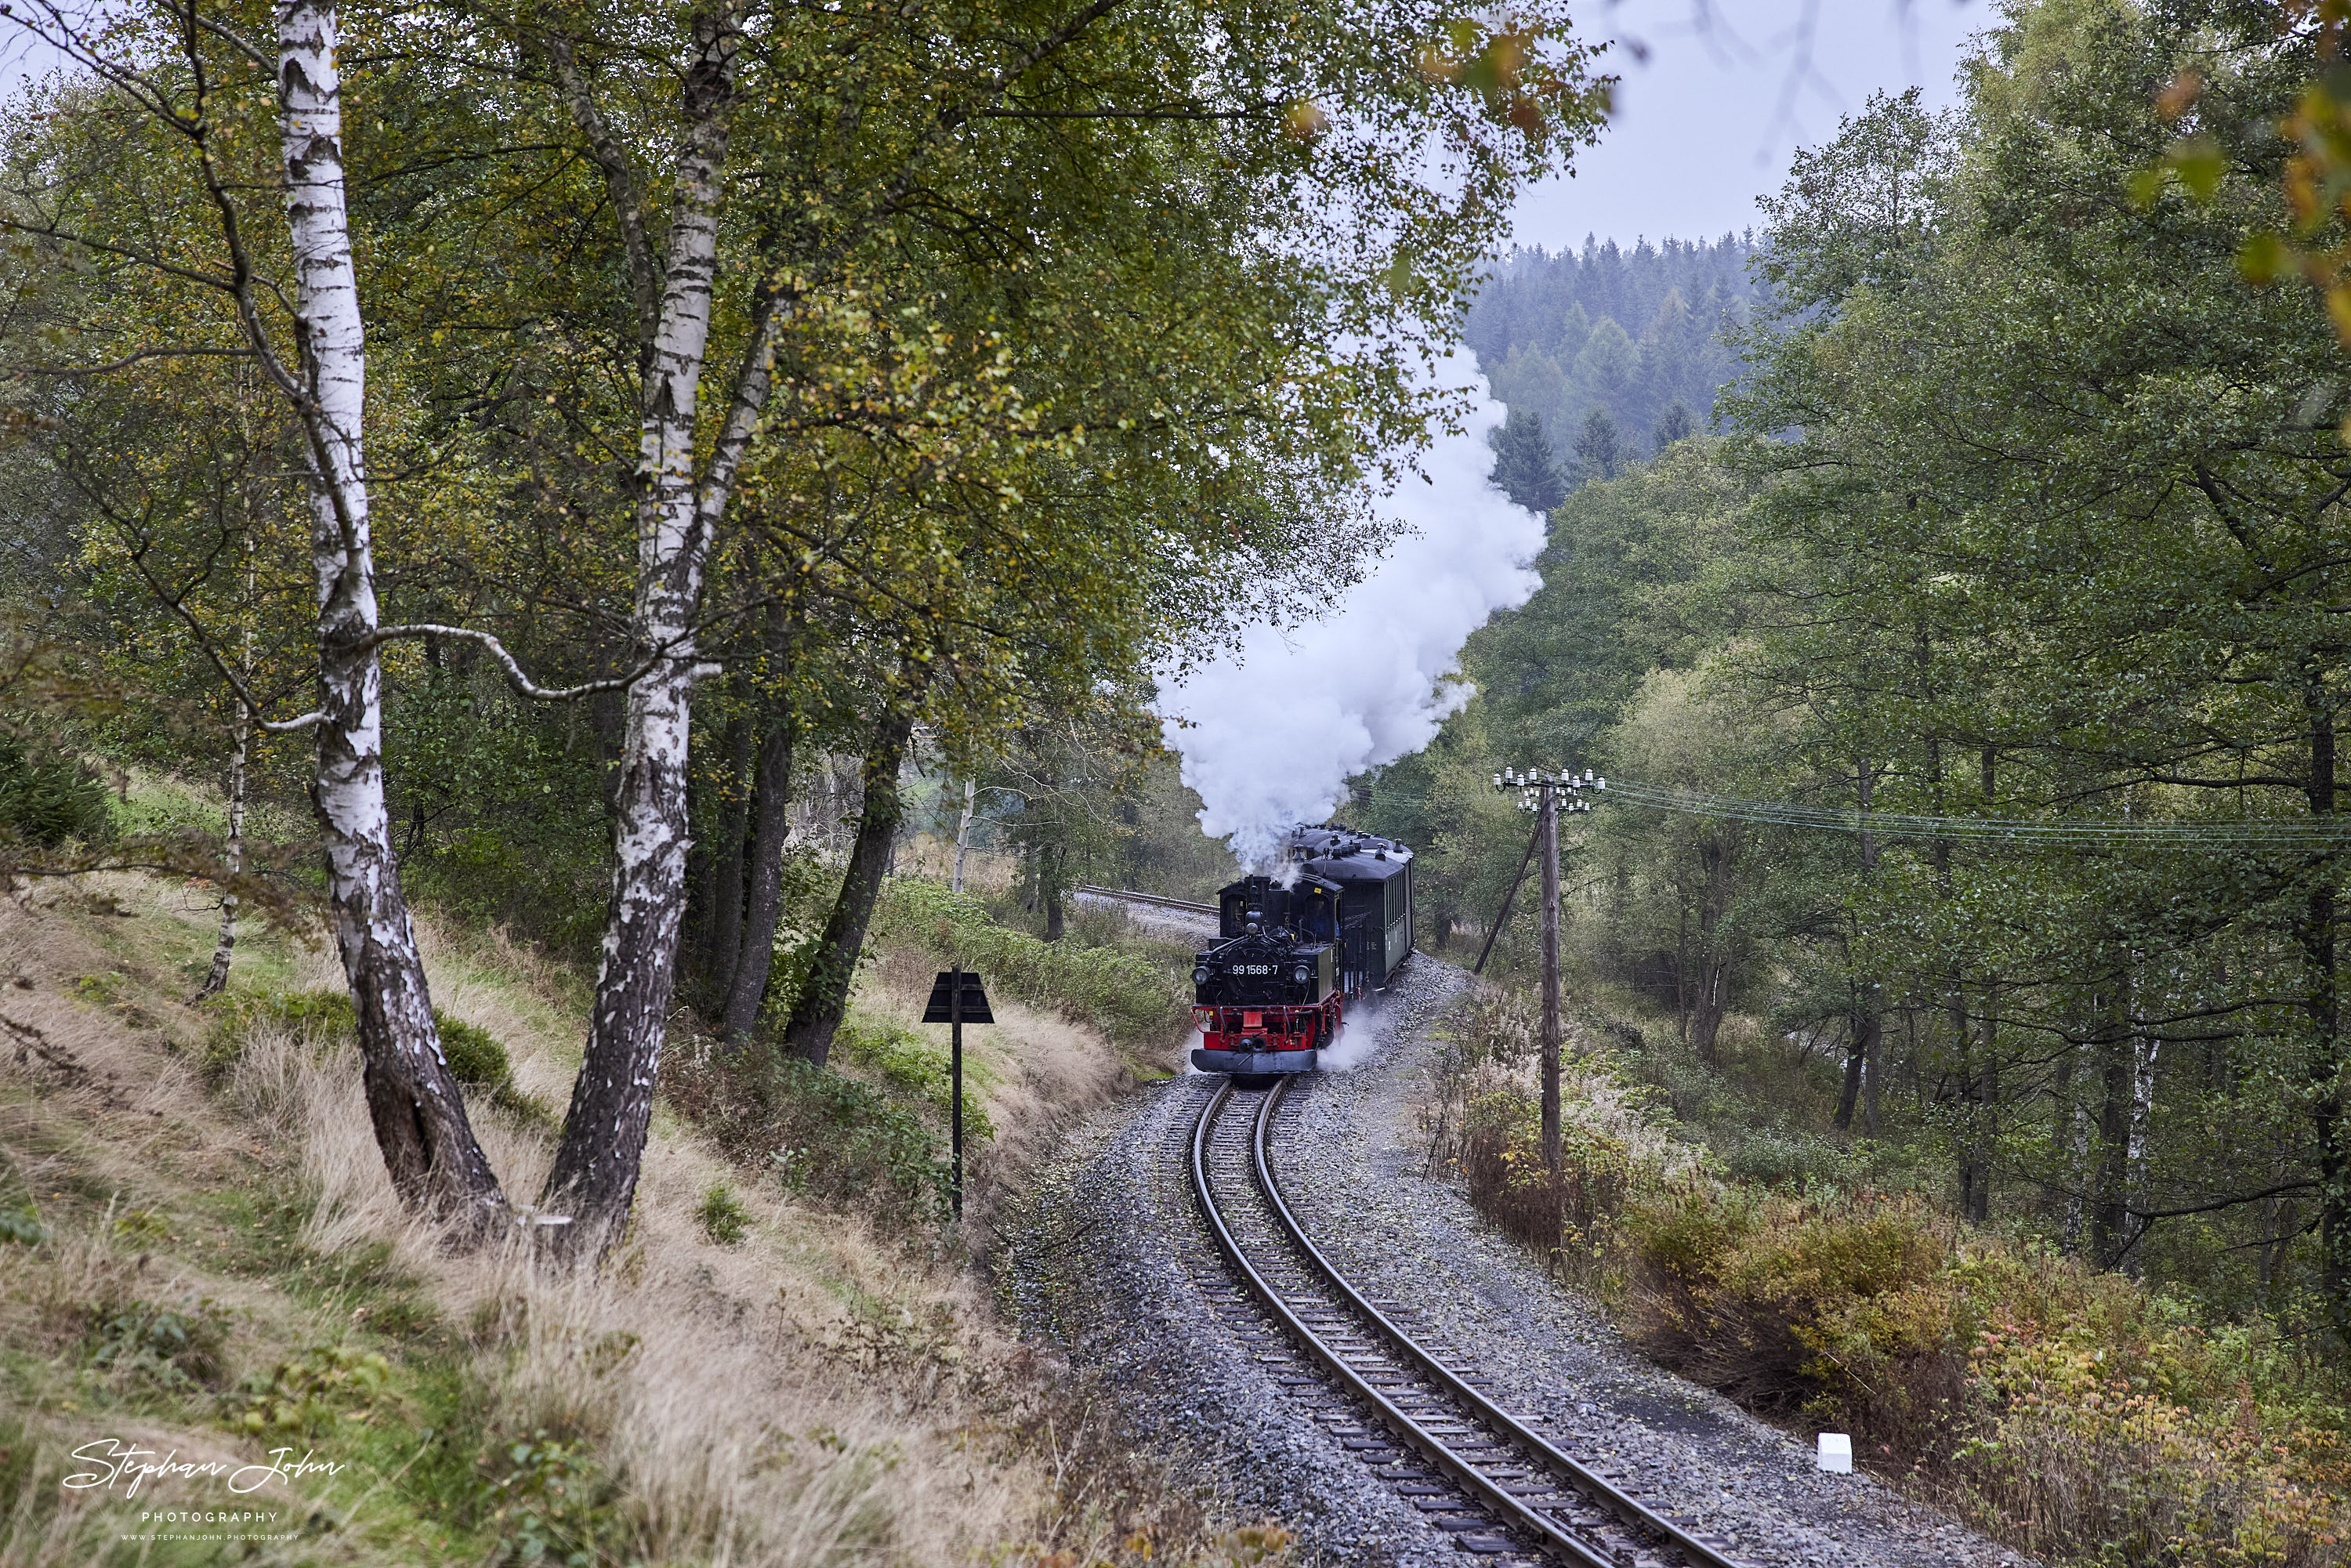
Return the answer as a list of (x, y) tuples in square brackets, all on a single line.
[(1181, 905), (1473, 1470)]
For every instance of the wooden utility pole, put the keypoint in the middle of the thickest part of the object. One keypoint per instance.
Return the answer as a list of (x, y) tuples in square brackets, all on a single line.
[(1541, 792), (1549, 807)]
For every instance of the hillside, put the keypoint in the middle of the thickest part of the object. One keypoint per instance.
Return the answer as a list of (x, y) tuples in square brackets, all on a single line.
[(200, 1257), (1630, 332)]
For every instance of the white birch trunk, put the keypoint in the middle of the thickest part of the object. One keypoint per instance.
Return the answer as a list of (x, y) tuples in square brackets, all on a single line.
[(2077, 1155), (594, 1176), (420, 1120), (963, 832), (224, 946), (2144, 1047)]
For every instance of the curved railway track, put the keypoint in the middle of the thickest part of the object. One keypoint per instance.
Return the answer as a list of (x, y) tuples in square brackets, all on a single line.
[(1472, 1468)]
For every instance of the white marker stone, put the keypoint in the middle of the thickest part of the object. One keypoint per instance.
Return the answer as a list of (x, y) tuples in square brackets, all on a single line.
[(1837, 1453)]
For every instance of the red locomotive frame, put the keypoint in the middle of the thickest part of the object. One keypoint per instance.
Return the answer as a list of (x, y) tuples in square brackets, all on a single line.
[(1270, 1027)]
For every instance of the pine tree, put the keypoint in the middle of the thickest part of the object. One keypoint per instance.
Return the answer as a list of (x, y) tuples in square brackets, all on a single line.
[(1674, 424), (1598, 452), (1525, 469)]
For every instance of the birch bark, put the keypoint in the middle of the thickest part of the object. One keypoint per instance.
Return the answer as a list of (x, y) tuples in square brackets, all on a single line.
[(241, 736), (413, 1097), (594, 1176)]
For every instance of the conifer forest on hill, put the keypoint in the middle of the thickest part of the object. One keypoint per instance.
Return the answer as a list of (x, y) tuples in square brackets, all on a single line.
[(554, 566)]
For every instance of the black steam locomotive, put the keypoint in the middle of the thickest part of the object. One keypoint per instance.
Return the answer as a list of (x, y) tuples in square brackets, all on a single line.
[(1292, 949)]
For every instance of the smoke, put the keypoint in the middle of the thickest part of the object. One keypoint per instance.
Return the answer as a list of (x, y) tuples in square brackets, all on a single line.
[(1277, 727), (1362, 1037)]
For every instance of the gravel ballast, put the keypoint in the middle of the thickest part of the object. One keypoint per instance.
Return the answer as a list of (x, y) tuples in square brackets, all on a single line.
[(1110, 1264)]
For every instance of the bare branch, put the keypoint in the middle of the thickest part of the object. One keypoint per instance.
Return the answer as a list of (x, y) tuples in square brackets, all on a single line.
[(515, 676)]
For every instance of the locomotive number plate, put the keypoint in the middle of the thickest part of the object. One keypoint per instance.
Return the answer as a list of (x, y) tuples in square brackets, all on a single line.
[(1252, 969)]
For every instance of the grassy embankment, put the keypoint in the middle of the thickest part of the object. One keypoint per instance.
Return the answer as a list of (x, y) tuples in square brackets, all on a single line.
[(786, 1362), (1825, 1285)]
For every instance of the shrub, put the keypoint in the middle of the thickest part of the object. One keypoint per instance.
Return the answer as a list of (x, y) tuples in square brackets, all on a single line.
[(474, 1055), (553, 1504), (1834, 1309), (723, 1216), (177, 1346), (303, 1392), (1133, 999), (477, 1058), (918, 1068), (49, 797), (2063, 1408), (822, 1134), (21, 1227)]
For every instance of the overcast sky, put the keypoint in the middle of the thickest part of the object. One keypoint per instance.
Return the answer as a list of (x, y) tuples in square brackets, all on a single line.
[(1707, 123)]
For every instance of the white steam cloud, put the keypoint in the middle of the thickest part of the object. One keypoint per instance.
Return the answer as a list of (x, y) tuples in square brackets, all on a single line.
[(1277, 727)]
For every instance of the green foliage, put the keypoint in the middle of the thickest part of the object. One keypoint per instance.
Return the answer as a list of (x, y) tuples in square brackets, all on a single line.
[(2089, 1418), (1637, 334), (49, 797), (173, 1346), (476, 1057), (553, 1505), (1132, 1000), (722, 1216), (21, 1227), (506, 826), (918, 1066), (308, 1392), (822, 1135), (1524, 468)]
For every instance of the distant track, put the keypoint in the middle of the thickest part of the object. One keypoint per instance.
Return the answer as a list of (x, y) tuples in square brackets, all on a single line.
[(1152, 899), (1507, 1494)]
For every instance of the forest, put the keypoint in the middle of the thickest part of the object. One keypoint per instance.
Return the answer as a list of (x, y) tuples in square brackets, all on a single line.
[(1969, 702), (1609, 350), (555, 566)]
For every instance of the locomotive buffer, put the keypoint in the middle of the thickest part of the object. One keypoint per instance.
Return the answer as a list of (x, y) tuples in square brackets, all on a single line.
[(957, 999)]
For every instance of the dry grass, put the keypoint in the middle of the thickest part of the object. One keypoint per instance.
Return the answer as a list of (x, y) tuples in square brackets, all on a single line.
[(814, 1394)]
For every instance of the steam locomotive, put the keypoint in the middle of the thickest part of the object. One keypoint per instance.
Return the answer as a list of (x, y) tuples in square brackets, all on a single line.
[(1292, 949)]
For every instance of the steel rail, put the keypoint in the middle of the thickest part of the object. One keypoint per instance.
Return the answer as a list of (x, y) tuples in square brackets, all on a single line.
[(1488, 1492), (1186, 904), (1629, 1511)]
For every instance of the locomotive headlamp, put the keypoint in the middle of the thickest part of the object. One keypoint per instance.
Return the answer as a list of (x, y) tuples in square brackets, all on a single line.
[(1299, 975), (1203, 975)]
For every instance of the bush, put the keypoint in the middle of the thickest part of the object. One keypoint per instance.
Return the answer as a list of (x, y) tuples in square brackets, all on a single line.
[(723, 1216), (1833, 1310), (917, 1068), (477, 1058), (49, 797), (2064, 1408), (820, 1134), (552, 1503), (473, 1055), (1135, 1000), (177, 1346), (304, 1393)]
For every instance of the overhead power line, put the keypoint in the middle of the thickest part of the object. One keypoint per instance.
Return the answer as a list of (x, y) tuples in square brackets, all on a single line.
[(2238, 832)]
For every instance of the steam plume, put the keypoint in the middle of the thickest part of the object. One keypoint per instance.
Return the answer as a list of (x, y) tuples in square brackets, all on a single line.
[(1278, 727)]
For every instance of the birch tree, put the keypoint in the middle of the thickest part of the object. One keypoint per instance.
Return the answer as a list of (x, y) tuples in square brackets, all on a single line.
[(191, 80)]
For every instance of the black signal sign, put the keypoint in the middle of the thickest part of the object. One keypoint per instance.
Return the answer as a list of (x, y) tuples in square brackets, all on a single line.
[(942, 992)]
